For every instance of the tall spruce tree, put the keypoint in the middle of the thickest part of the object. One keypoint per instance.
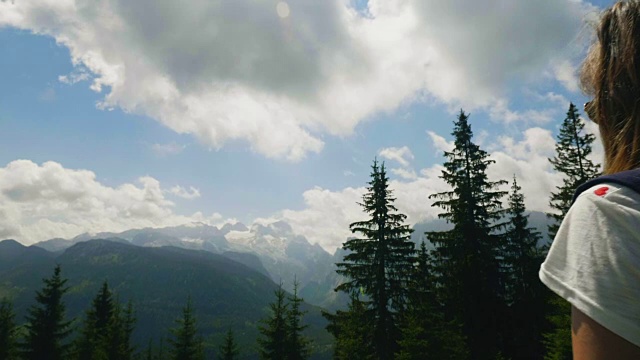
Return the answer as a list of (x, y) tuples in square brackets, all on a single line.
[(425, 333), (274, 329), (467, 265), (573, 148), (185, 344), (8, 331), (380, 262), (94, 337), (46, 326), (298, 346), (229, 349), (525, 294)]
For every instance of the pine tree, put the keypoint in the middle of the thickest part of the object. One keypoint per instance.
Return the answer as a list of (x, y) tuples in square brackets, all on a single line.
[(8, 331), (467, 258), (229, 349), (185, 343), (107, 329), (380, 262), (274, 329), (572, 150), (525, 294), (121, 328), (46, 325), (298, 346), (425, 333), (352, 330), (94, 339)]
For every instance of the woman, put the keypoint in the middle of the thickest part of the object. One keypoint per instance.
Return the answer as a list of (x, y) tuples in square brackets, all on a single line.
[(594, 261)]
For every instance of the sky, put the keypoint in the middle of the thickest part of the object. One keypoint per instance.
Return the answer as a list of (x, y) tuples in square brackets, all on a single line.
[(119, 114)]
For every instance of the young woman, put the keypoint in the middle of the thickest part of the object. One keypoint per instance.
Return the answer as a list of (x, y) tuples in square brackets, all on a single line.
[(594, 261)]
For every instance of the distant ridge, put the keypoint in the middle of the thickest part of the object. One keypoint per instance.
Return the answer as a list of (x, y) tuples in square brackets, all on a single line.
[(225, 293)]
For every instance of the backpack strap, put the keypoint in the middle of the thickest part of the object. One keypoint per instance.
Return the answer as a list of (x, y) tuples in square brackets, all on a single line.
[(629, 178)]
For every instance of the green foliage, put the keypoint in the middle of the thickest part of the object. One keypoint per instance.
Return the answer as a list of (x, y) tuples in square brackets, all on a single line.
[(8, 331), (152, 352), (467, 265), (185, 343), (425, 332), (525, 295), (225, 293), (46, 326), (298, 346), (352, 330), (107, 329), (380, 261), (274, 329), (121, 328), (572, 150), (93, 342), (229, 349), (558, 341)]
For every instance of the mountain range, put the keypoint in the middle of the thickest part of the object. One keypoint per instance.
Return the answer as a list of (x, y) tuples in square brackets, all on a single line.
[(272, 249), (225, 293)]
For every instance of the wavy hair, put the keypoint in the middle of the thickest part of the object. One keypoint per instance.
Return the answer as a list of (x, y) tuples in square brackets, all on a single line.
[(611, 74)]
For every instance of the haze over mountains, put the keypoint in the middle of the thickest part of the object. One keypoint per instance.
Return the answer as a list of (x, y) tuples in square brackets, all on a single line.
[(158, 280), (230, 272), (271, 249)]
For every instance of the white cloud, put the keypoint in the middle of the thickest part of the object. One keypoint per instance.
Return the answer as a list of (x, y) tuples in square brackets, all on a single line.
[(77, 75), (500, 112), (39, 202), (409, 174), (527, 159), (553, 98), (327, 215), (242, 70), (401, 155), (597, 154), (171, 148), (566, 73), (440, 143), (179, 191)]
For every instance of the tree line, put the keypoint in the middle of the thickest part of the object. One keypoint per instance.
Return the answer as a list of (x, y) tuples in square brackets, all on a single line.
[(471, 292), (106, 329)]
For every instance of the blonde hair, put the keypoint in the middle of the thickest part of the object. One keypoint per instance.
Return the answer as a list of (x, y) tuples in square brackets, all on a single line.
[(611, 74)]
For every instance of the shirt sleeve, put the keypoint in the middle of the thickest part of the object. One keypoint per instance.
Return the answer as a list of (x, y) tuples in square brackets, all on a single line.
[(594, 261)]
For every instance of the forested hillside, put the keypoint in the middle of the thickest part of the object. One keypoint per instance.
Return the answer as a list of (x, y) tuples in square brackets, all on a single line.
[(224, 294)]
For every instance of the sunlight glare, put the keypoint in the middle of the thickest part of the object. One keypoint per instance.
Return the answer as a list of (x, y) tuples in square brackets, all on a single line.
[(283, 9)]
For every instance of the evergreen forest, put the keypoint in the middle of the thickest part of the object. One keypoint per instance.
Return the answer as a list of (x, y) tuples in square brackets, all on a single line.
[(469, 292)]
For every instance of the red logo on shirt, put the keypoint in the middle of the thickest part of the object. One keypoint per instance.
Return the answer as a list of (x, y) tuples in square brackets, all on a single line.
[(601, 191)]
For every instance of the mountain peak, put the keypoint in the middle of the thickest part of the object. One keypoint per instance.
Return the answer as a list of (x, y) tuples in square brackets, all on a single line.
[(11, 244), (228, 227)]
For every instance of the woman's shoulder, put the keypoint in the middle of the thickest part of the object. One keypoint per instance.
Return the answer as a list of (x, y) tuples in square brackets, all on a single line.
[(609, 194), (593, 261)]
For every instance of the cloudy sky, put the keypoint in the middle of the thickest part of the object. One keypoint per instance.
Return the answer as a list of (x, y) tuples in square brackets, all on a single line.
[(117, 114)]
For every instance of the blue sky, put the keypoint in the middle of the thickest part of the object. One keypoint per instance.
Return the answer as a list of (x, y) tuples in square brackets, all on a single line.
[(44, 118)]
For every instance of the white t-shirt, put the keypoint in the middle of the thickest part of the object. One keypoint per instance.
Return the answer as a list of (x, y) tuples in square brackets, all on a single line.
[(594, 261)]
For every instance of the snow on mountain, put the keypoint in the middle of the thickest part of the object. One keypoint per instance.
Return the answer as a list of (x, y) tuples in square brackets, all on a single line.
[(284, 254)]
